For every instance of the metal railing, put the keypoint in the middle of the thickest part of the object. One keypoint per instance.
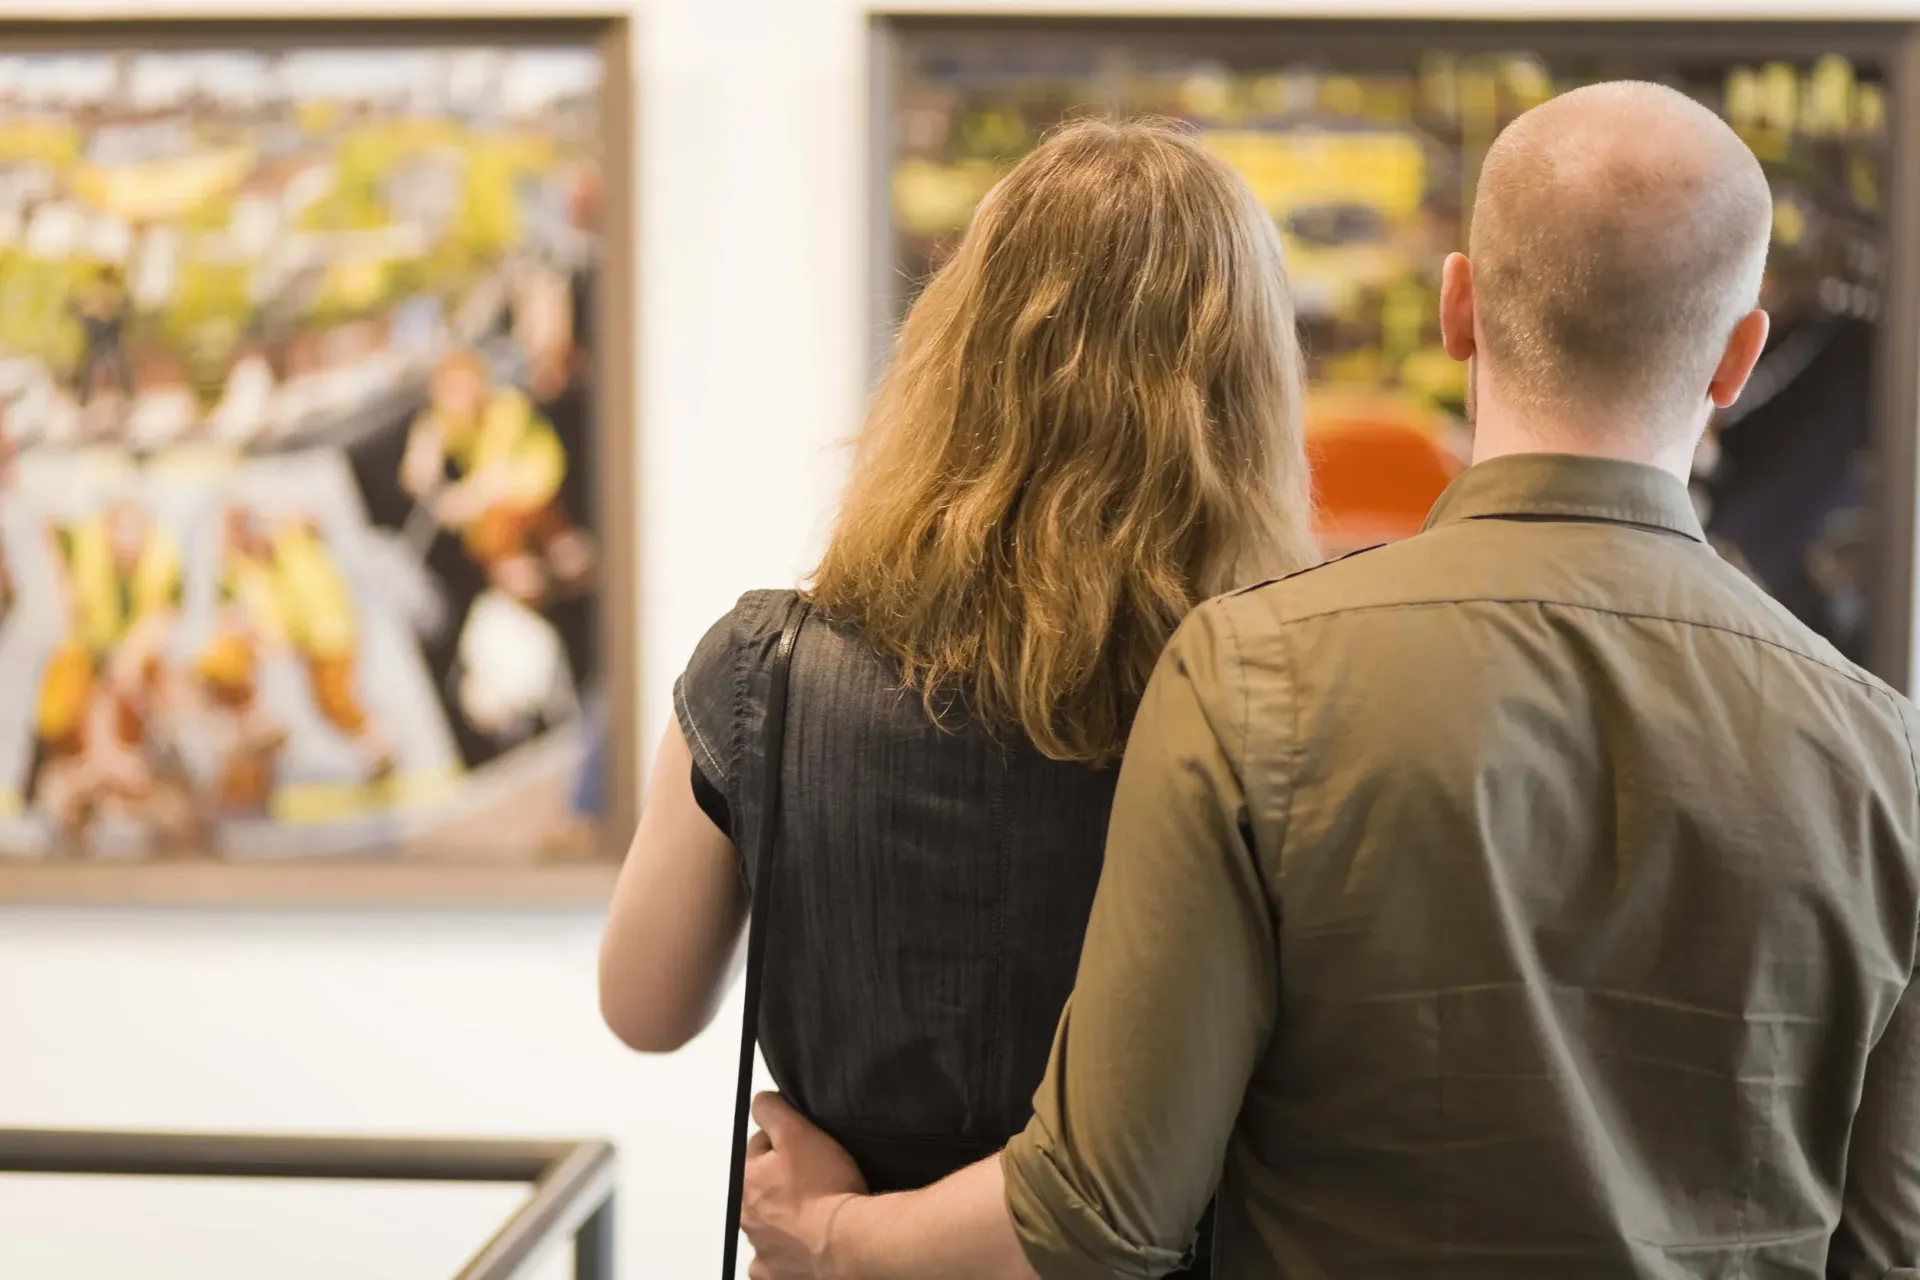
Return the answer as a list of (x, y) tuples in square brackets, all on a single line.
[(572, 1181)]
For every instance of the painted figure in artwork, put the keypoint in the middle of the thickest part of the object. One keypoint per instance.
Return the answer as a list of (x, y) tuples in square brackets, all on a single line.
[(281, 588), (227, 669), (102, 308), (100, 718), (491, 468)]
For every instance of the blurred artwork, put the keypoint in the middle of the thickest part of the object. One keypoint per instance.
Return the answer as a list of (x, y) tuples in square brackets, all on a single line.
[(299, 550), (1368, 164)]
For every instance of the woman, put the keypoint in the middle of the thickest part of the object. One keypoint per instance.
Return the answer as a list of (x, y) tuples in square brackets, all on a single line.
[(1090, 425)]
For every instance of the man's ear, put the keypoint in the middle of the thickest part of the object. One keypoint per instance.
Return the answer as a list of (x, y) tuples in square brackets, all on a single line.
[(1737, 361), (1456, 307)]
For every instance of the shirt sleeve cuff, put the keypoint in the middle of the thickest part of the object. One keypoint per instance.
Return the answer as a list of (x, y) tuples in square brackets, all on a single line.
[(1063, 1236)]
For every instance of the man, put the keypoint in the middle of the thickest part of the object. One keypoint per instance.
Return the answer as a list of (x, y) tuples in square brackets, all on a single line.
[(1533, 897)]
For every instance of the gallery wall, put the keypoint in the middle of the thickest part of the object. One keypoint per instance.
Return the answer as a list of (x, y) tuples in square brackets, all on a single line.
[(752, 351)]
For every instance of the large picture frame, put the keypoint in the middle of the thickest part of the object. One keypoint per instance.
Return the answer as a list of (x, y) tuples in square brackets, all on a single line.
[(317, 463), (957, 96)]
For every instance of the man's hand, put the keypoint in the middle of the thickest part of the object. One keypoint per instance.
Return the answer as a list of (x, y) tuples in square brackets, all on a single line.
[(797, 1180)]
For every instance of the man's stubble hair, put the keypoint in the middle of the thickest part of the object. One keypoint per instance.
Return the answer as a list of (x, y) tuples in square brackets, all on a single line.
[(1619, 233)]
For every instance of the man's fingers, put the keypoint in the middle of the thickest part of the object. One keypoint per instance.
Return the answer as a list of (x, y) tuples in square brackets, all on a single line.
[(759, 1271), (776, 1119), (759, 1144)]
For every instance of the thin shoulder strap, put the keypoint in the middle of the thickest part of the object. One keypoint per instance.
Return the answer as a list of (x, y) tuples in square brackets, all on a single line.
[(767, 829)]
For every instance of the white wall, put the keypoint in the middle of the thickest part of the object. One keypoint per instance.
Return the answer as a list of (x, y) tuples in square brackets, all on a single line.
[(752, 365)]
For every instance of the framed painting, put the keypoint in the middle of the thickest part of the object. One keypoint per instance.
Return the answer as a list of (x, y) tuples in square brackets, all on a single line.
[(1363, 138), (316, 460)]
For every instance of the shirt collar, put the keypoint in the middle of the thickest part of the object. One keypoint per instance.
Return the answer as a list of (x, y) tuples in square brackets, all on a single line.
[(1572, 487)]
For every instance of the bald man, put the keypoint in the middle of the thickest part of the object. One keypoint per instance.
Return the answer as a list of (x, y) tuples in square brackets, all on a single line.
[(1531, 898)]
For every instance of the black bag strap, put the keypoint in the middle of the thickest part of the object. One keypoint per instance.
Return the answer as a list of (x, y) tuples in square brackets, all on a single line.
[(767, 829)]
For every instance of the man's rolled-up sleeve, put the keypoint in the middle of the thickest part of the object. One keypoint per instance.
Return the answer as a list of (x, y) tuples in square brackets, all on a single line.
[(1879, 1233), (1175, 997)]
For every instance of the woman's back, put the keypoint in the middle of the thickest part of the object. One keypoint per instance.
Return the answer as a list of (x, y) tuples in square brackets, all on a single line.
[(932, 889)]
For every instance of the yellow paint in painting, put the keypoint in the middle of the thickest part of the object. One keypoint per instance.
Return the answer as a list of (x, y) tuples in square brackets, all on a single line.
[(196, 460), (354, 284), (1769, 144), (932, 199), (1434, 376), (1779, 96), (45, 139), (1741, 99), (317, 116), (164, 190), (1343, 96), (425, 133), (1863, 180), (315, 802), (1870, 110), (1360, 368), (1789, 223), (1383, 169), (489, 219), (1528, 82), (1827, 106)]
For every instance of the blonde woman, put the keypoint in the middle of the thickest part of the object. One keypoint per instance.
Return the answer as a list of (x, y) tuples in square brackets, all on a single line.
[(1091, 424)]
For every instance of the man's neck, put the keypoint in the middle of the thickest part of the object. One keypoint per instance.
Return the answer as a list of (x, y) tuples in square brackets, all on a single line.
[(1497, 436)]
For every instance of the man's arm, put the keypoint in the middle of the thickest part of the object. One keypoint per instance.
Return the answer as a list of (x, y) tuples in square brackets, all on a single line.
[(805, 1217), (1175, 1000), (1176, 995), (1879, 1231), (957, 1229)]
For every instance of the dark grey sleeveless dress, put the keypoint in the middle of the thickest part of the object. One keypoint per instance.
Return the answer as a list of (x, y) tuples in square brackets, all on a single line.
[(930, 898)]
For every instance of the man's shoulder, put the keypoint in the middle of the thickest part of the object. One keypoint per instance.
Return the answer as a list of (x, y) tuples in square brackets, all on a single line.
[(1369, 577), (1468, 565), (1769, 621)]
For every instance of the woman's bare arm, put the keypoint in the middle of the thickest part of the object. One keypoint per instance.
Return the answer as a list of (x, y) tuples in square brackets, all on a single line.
[(678, 912)]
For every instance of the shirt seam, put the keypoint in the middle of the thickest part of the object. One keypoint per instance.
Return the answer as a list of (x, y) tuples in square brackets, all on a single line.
[(1544, 602), (1913, 771), (1245, 725), (700, 743), (1646, 519), (1580, 515), (1269, 878)]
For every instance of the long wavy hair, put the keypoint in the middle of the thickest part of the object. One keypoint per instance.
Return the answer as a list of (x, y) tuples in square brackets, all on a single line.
[(1091, 423)]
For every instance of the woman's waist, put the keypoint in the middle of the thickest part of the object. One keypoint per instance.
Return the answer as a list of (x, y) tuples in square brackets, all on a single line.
[(903, 1161)]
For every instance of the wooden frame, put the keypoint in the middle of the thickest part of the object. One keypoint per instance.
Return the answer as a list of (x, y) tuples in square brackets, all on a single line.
[(1241, 39), (588, 877)]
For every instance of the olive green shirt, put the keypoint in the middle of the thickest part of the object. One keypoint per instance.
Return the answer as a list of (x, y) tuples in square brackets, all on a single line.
[(1532, 898)]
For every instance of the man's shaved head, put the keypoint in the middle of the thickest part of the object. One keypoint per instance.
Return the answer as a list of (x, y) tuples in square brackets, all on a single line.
[(1619, 234)]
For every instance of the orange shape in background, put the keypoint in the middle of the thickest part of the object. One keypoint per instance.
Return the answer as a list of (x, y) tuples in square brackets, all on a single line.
[(1378, 467)]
